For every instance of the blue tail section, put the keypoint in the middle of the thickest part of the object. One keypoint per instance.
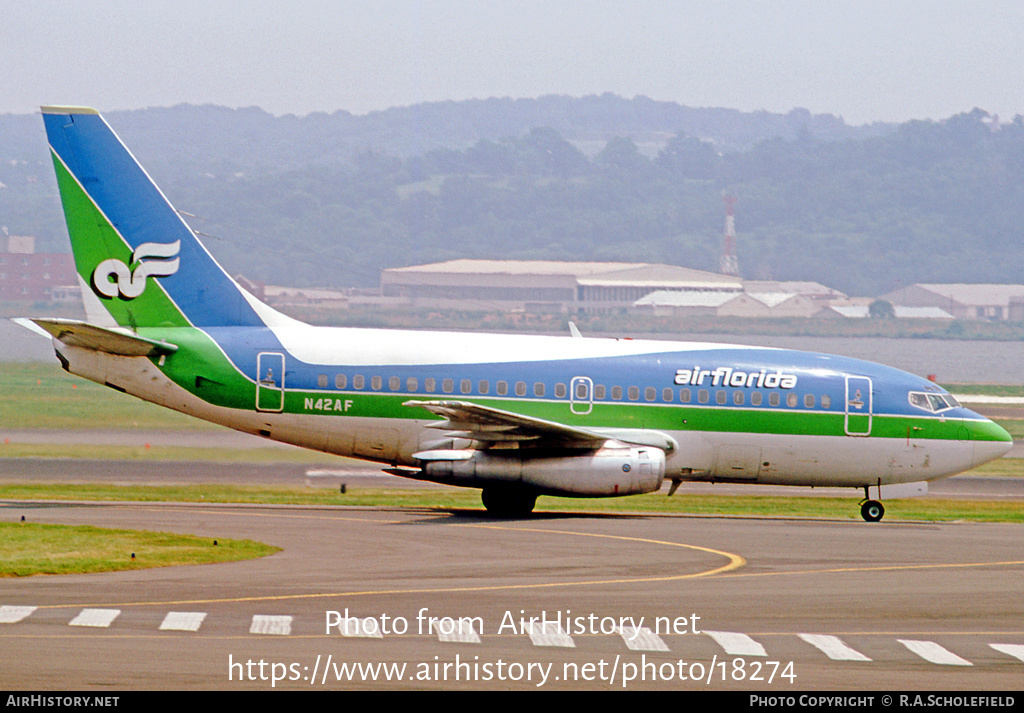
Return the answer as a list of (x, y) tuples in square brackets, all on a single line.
[(134, 253)]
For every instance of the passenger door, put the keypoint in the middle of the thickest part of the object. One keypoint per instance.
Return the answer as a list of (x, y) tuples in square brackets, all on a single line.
[(858, 406), (270, 382)]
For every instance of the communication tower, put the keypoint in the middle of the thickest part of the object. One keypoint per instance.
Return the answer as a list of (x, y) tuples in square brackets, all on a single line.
[(729, 265)]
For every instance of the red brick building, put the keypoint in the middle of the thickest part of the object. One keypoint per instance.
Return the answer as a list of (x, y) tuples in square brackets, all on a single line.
[(28, 276)]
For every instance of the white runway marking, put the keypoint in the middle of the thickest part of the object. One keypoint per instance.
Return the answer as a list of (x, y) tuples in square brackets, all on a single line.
[(354, 627), (1015, 650), (101, 618), (183, 621), (833, 647), (737, 644), (549, 634), (642, 640), (275, 625), (459, 632), (930, 651), (11, 614)]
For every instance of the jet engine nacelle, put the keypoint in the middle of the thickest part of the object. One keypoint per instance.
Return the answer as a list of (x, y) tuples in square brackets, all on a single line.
[(607, 472)]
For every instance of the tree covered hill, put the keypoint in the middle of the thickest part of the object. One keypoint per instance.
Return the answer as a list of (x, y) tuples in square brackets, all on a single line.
[(332, 199)]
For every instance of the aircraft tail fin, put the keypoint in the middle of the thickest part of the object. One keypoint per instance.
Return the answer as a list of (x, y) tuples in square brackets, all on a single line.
[(138, 262)]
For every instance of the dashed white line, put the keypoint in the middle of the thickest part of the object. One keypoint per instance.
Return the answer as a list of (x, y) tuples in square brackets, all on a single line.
[(833, 647), (182, 621), (100, 618), (11, 614), (274, 625), (549, 634), (930, 651), (642, 639), (354, 627), (455, 631), (737, 644), (1015, 650)]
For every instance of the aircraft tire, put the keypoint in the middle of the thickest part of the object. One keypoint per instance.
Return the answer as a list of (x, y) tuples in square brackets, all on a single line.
[(508, 502), (872, 510)]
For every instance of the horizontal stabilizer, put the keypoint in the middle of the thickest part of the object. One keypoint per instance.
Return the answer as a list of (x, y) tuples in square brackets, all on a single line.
[(101, 339)]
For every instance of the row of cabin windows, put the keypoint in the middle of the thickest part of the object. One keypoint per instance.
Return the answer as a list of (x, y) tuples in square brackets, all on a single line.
[(520, 388)]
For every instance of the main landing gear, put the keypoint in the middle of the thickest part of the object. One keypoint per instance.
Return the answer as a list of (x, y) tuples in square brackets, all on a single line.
[(871, 510), (508, 502)]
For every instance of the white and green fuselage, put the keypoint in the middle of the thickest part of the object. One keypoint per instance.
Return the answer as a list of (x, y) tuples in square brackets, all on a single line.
[(515, 414)]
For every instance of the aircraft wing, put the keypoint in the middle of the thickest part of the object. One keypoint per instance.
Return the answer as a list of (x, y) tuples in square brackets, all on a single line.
[(490, 425), (100, 339)]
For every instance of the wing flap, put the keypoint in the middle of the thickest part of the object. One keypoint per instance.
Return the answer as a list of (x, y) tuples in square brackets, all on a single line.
[(491, 425)]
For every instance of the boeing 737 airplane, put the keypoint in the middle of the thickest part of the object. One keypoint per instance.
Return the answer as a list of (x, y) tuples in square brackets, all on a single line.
[(517, 416)]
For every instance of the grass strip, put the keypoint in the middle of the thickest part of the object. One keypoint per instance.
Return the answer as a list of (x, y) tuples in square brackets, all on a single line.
[(928, 509), (32, 548)]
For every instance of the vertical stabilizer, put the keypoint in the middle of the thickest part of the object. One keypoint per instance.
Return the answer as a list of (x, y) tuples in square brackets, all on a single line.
[(139, 263)]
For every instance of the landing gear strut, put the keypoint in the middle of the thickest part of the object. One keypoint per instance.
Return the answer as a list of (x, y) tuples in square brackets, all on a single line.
[(871, 510), (508, 502)]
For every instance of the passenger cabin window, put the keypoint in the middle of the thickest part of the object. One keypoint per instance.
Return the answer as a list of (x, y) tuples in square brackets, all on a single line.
[(520, 388), (755, 398), (448, 386), (340, 382), (411, 384), (321, 381), (773, 399), (430, 384), (358, 381), (538, 389), (394, 383), (684, 395), (634, 393), (465, 386), (484, 386), (826, 401), (502, 388), (376, 383), (650, 393), (599, 392), (617, 393), (560, 391)]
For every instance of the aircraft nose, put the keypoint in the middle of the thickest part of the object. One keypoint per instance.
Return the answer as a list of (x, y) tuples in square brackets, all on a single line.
[(989, 441)]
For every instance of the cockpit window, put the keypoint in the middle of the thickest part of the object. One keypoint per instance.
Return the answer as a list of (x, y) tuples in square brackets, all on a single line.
[(932, 402)]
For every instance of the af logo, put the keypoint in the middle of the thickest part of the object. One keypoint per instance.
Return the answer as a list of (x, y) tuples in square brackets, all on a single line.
[(112, 277)]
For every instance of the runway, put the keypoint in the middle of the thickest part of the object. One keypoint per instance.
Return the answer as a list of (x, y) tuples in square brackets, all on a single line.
[(666, 602)]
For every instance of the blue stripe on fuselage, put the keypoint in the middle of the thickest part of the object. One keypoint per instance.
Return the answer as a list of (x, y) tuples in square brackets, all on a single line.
[(817, 374)]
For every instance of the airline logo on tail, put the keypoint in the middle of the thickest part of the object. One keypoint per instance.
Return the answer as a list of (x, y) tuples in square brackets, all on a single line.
[(112, 278)]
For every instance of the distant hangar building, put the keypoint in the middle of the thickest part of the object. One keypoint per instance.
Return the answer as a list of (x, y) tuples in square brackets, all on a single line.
[(546, 286), (964, 301)]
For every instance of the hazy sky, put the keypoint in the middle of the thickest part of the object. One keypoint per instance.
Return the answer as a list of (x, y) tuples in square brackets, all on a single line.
[(866, 60)]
